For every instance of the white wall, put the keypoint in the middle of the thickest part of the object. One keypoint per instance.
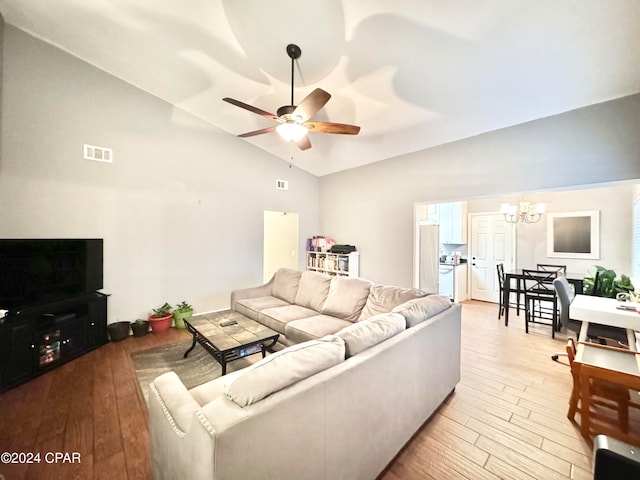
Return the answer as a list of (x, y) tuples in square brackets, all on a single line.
[(181, 207), (615, 204), (372, 206)]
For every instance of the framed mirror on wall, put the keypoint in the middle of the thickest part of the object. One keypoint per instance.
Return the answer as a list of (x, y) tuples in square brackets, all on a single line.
[(574, 234)]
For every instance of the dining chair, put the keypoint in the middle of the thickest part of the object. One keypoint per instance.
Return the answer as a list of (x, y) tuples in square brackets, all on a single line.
[(501, 284), (540, 298), (602, 393), (565, 295), (552, 268)]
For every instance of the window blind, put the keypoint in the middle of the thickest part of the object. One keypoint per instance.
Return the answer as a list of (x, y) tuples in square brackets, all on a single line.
[(636, 239)]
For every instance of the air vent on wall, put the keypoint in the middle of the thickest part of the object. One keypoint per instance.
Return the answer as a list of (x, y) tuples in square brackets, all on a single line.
[(282, 185), (99, 154)]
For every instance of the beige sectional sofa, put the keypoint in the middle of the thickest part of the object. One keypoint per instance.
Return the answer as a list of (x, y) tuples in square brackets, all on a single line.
[(364, 366), (307, 305)]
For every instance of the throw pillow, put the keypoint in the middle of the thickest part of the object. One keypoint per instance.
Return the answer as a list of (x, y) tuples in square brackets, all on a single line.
[(346, 297), (367, 333), (285, 284), (284, 368), (418, 310), (313, 290), (383, 298)]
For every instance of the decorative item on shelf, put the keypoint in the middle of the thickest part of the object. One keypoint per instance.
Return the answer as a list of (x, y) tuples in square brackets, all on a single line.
[(604, 283), (319, 243), (524, 212), (160, 319), (182, 311), (140, 327), (118, 331)]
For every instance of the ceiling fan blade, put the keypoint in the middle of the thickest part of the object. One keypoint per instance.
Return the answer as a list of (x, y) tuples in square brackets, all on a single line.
[(311, 104), (330, 127), (257, 132), (251, 108), (304, 143)]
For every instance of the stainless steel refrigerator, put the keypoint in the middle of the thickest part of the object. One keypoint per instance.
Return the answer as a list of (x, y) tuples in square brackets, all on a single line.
[(429, 257)]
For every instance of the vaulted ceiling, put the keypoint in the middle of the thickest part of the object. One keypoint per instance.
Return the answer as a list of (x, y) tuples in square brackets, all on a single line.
[(412, 74)]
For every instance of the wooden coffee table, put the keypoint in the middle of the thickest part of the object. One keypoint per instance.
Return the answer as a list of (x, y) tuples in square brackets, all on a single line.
[(232, 342)]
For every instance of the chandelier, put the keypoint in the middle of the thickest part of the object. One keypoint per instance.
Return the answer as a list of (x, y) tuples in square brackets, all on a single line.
[(524, 212)]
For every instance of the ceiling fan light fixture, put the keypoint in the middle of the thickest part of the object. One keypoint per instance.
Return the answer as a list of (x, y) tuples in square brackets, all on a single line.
[(294, 119), (292, 131)]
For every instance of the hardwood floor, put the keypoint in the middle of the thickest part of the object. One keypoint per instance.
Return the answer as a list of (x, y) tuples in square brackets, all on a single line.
[(506, 418)]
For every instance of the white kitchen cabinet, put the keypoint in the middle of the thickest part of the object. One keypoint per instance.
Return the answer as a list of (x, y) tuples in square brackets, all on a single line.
[(460, 289)]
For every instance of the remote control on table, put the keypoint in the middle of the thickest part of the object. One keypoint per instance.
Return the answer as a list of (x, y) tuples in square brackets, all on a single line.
[(226, 323)]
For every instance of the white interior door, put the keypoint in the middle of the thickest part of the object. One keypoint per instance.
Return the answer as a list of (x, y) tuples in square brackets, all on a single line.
[(280, 242), (492, 242)]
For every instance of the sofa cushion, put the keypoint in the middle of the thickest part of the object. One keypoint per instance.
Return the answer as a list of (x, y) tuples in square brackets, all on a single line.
[(367, 333), (284, 368), (276, 318), (285, 284), (250, 307), (314, 327), (313, 290), (383, 298), (418, 310), (346, 297)]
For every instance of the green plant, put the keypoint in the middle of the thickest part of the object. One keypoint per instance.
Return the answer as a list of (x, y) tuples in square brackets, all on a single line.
[(139, 321), (162, 311), (182, 307), (604, 283)]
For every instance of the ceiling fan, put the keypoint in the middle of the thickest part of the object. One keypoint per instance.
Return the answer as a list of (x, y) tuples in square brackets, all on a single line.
[(293, 120)]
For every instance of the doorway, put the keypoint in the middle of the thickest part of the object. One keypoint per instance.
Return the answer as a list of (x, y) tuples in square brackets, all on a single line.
[(280, 245), (492, 241)]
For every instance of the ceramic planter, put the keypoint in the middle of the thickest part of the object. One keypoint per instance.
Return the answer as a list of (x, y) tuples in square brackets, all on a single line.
[(160, 324), (179, 317)]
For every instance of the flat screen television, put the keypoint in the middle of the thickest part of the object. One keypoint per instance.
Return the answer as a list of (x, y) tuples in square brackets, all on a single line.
[(36, 271)]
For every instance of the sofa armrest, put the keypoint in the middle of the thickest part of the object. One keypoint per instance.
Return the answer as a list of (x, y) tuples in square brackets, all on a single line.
[(251, 292), (182, 440), (175, 400)]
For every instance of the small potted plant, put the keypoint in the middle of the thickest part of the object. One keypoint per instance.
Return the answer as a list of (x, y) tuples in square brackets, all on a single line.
[(160, 319), (182, 311), (140, 327)]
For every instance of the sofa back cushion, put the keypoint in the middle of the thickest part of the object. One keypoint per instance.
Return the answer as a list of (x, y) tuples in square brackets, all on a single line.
[(313, 290), (346, 298), (420, 309), (366, 333), (285, 284), (284, 368), (384, 298)]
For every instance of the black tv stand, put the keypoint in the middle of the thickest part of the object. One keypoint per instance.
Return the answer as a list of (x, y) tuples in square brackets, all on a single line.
[(38, 338)]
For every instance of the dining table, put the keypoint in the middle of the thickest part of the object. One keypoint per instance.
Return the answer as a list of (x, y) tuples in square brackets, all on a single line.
[(517, 278)]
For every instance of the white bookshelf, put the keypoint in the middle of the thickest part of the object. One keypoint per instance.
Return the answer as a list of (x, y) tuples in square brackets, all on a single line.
[(343, 264)]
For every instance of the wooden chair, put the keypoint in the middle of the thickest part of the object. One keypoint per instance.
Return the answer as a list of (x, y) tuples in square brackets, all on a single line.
[(605, 394), (540, 298)]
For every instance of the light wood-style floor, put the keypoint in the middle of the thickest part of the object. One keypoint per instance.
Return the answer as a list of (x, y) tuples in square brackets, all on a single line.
[(506, 418)]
